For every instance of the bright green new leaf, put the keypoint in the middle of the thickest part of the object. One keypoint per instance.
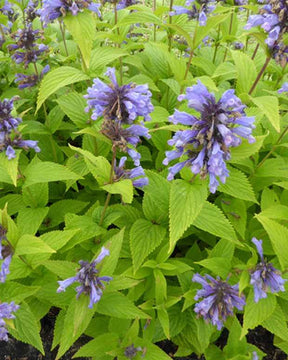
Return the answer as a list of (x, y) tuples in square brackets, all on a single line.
[(144, 238), (29, 244), (269, 105), (246, 71), (123, 187), (186, 202), (100, 345), (56, 79)]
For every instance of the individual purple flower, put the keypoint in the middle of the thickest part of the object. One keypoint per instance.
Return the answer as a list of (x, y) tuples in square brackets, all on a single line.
[(205, 146), (90, 283), (265, 276), (53, 9), (195, 10), (131, 351), (6, 312), (10, 140), (27, 81), (7, 120), (124, 103), (122, 4), (238, 45), (219, 299), (137, 175), (284, 88)]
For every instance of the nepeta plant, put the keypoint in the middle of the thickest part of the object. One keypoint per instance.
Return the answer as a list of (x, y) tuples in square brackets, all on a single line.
[(121, 256)]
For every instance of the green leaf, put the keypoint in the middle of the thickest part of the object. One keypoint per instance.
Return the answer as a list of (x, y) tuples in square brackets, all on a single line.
[(114, 244), (218, 265), (63, 269), (102, 344), (276, 168), (78, 317), (36, 196), (144, 238), (27, 328), (13, 291), (117, 305), (43, 172), (278, 235), (30, 219), (102, 56), (123, 187), (73, 105), (83, 29), (99, 166), (256, 313), (156, 198), (246, 71), (276, 323), (238, 185), (57, 239), (245, 149), (56, 79), (141, 17), (164, 320), (188, 199), (212, 220), (10, 166), (234, 345), (29, 244), (58, 210), (269, 105)]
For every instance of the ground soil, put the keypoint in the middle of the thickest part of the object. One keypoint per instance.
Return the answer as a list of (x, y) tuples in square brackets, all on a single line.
[(16, 350)]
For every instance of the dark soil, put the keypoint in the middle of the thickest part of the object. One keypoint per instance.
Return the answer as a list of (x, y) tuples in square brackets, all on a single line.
[(16, 350)]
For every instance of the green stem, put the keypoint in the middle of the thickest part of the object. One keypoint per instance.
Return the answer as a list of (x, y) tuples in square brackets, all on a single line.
[(259, 75), (114, 149), (230, 29), (273, 147), (217, 45), (246, 44), (255, 52), (281, 77), (118, 45), (170, 22), (62, 28)]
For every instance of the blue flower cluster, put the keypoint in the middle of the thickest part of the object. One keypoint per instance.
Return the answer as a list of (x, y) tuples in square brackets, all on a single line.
[(90, 283), (219, 299), (6, 311), (120, 106), (195, 10), (10, 137), (54, 9), (273, 19), (265, 276), (137, 175), (206, 144)]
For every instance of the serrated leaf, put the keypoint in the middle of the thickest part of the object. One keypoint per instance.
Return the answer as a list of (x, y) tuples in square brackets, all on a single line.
[(10, 166), (118, 305), (123, 187), (212, 220), (245, 149), (58, 210), (43, 172), (78, 317), (144, 238), (83, 29), (278, 235), (57, 239), (13, 291), (63, 269), (246, 71), (218, 265), (102, 344), (73, 105), (30, 219), (29, 244), (139, 17), (102, 56), (238, 185), (188, 199), (36, 196), (276, 323), (256, 313), (269, 105), (27, 328), (56, 79), (114, 244)]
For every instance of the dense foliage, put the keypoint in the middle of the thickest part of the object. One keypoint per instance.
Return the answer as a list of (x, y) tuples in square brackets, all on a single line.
[(144, 175)]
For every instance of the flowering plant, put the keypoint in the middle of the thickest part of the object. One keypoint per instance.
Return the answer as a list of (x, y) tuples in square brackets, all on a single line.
[(143, 155)]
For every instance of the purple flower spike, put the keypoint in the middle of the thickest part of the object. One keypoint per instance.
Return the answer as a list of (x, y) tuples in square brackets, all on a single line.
[(219, 299), (284, 88), (53, 9), (265, 276), (6, 311), (7, 121), (137, 174), (206, 145), (90, 283), (195, 10)]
